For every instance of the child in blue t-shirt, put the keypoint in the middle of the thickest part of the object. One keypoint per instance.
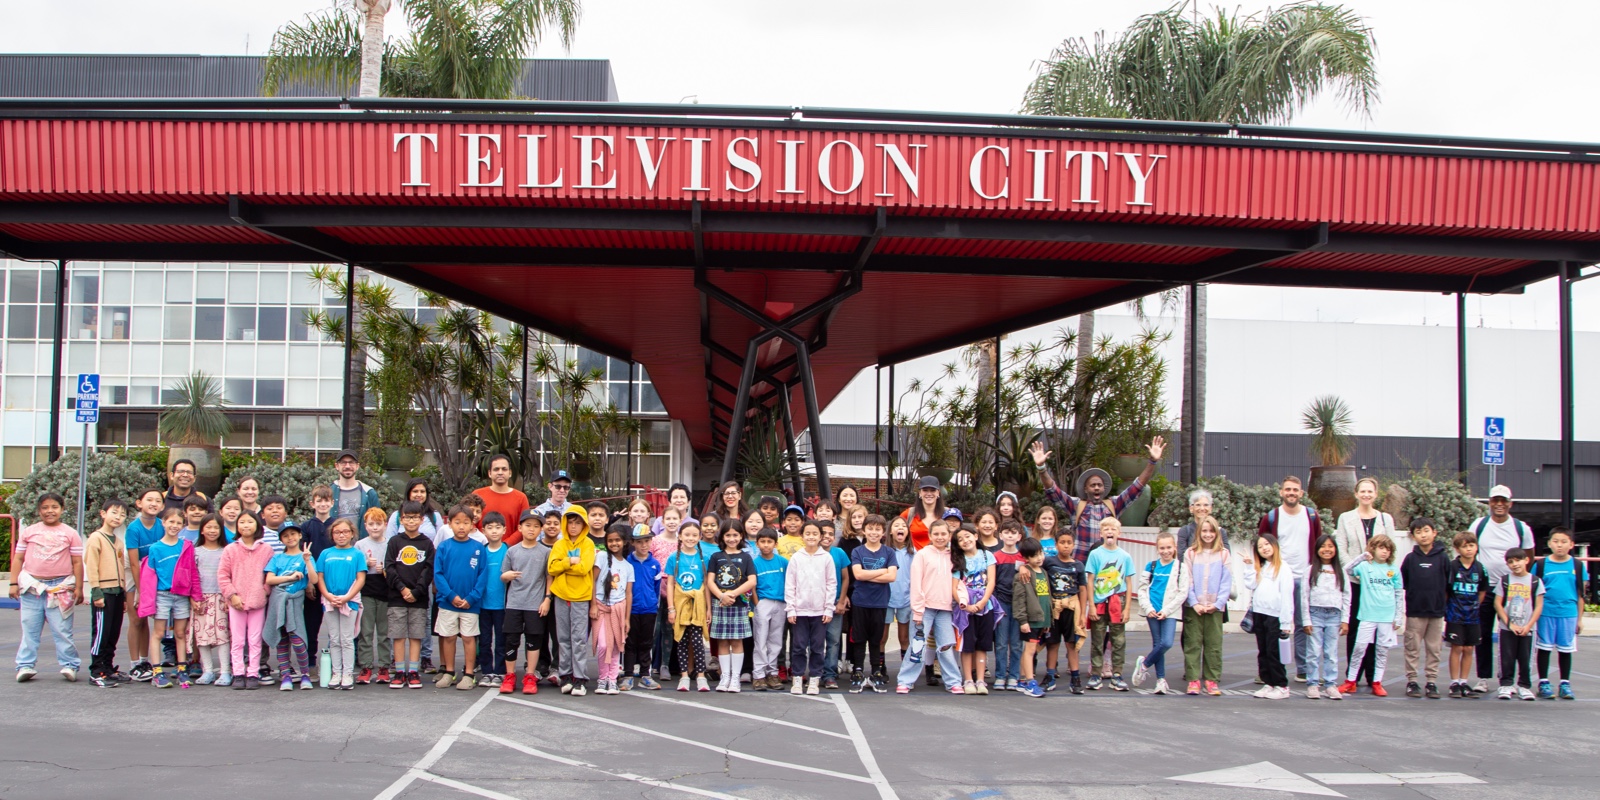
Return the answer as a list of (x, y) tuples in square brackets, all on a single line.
[(1562, 618), (1108, 568), (769, 617), (285, 625), (688, 610), (492, 609), (341, 572)]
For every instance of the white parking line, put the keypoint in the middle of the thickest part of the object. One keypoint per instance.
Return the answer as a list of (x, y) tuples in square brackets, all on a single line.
[(522, 748), (863, 749), (692, 743), (464, 787), (731, 712), (419, 770)]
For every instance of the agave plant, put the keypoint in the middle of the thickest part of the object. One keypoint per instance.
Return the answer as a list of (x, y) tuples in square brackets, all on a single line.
[(1328, 420), (198, 417)]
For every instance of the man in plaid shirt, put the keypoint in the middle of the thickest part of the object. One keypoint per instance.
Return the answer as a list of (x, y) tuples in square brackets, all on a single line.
[(1085, 514)]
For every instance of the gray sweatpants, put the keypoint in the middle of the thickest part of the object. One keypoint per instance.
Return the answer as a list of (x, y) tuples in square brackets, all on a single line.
[(572, 632)]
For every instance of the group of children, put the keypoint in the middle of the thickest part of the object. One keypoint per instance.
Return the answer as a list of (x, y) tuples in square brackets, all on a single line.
[(638, 595)]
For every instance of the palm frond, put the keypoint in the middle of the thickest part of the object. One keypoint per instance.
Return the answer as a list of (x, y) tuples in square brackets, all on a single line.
[(325, 48)]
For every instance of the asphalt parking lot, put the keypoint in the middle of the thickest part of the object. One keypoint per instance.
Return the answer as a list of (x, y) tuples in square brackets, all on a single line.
[(66, 740)]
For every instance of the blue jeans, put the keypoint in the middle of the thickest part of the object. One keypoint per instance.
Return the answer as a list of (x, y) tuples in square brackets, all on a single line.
[(1008, 649), (37, 609), (1161, 633), (830, 662), (942, 628), (1302, 645), (1323, 664)]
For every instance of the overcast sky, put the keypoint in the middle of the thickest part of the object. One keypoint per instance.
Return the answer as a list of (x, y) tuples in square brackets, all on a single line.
[(1471, 67)]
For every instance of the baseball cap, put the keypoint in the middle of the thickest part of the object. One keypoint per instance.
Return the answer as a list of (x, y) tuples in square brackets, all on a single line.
[(642, 531), (527, 514), (288, 526), (561, 475), (795, 509), (351, 454), (928, 482), (1501, 490), (952, 511)]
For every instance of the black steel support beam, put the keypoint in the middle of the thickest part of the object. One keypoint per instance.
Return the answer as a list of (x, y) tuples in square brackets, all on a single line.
[(808, 387), (1568, 395), (58, 335), (1190, 471), (791, 445), (317, 244), (1463, 471), (351, 406), (741, 406)]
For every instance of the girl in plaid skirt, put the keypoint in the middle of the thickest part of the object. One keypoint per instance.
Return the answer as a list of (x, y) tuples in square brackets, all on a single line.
[(731, 579)]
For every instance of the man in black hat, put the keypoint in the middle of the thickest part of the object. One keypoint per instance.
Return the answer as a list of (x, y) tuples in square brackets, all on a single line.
[(560, 485), (351, 498), (1094, 507)]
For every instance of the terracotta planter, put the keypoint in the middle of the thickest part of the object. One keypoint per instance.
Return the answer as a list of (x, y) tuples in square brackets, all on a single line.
[(1333, 488), (207, 465)]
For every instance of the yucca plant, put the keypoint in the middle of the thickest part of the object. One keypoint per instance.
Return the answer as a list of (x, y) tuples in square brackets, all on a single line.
[(1328, 420), (198, 417)]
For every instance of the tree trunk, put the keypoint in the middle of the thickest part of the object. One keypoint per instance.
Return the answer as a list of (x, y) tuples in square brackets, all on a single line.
[(355, 417), (988, 356), (1194, 387), (372, 12)]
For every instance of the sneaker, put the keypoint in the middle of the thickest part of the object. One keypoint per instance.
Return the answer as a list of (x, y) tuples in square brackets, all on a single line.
[(182, 679), (1482, 686), (1049, 683), (140, 672), (1565, 692), (397, 680), (830, 683), (287, 685), (957, 690), (1505, 693), (969, 688), (1075, 684), (929, 677), (348, 682), (665, 673), (193, 670), (252, 682), (119, 676), (783, 676), (1194, 688), (579, 690), (69, 674), (1263, 692), (1524, 693), (855, 683), (1455, 690), (104, 681), (466, 682), (1213, 689), (414, 680), (444, 680), (206, 678), (1332, 693), (1030, 688), (305, 682), (530, 684), (1546, 691), (25, 674), (1093, 684), (799, 686), (1161, 687), (1431, 691), (744, 677), (1140, 671), (566, 688), (1282, 693), (553, 679), (648, 682), (1378, 690), (365, 677), (224, 680), (902, 689), (427, 666), (700, 684), (162, 680), (734, 688), (626, 685), (601, 686), (1412, 689), (1313, 692), (1348, 687), (1118, 683), (383, 675), (683, 685), (814, 686)]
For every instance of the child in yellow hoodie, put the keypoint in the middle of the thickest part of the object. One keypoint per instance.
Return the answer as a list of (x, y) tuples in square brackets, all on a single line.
[(572, 576)]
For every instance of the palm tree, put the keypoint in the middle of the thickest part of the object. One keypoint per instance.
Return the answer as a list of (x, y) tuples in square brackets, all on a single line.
[(1177, 65)]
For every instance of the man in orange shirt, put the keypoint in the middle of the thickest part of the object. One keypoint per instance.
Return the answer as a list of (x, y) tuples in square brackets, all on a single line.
[(500, 496)]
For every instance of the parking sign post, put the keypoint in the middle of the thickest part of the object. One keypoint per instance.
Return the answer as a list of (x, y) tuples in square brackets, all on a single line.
[(88, 413), (1494, 444)]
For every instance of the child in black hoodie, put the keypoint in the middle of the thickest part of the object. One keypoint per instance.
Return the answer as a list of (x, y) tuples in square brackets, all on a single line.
[(1426, 573), (408, 566)]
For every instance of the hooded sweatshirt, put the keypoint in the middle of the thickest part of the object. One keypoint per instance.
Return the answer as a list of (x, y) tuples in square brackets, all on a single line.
[(810, 583), (931, 586), (571, 582), (243, 572), (1427, 581)]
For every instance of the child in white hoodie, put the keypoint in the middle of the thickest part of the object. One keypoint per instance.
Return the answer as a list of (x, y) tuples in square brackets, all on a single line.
[(1271, 614), (808, 588)]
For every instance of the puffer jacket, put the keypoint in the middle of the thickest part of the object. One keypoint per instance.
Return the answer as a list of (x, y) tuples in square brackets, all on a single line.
[(185, 581)]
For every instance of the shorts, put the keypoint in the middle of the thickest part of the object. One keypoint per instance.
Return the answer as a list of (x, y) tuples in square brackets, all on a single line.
[(1064, 629), (408, 623), (1034, 635), (523, 622), (1463, 634), (456, 623), (1556, 633), (900, 615), (979, 635), (171, 606)]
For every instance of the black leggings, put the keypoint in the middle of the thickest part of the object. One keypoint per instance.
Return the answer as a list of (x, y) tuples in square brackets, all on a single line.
[(1514, 653), (866, 631), (1268, 663), (1485, 650), (691, 648), (1563, 662), (641, 640)]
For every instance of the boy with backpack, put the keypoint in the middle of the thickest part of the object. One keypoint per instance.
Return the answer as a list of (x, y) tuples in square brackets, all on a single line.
[(1426, 574), (1562, 619), (1518, 599)]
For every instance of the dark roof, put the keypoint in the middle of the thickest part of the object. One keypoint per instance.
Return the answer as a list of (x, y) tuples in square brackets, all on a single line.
[(29, 75)]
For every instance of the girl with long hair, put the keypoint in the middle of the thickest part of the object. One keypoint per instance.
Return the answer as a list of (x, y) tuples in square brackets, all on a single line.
[(1271, 614)]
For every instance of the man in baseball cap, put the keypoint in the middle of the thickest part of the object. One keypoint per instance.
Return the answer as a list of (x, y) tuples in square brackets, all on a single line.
[(1497, 532)]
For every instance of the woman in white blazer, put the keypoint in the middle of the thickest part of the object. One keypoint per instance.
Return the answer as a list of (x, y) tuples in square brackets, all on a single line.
[(1354, 529)]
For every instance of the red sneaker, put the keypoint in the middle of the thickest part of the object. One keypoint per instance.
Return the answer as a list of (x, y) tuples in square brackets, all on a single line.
[(414, 680), (1348, 687), (383, 675), (783, 674), (365, 677), (1377, 689), (530, 685), (554, 679), (508, 685), (398, 681)]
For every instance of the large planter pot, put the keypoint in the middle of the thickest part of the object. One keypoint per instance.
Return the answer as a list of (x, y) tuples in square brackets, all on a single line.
[(207, 465), (400, 457), (582, 470), (1333, 488), (1135, 513), (1127, 467), (944, 474)]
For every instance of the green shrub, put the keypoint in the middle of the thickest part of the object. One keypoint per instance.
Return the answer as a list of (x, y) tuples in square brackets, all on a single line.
[(110, 475), (6, 527), (295, 478), (153, 457), (1237, 507), (1451, 505)]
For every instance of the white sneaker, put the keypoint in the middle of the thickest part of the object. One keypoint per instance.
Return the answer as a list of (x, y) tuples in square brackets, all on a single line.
[(700, 684), (1265, 691), (1524, 693), (814, 687), (69, 674), (683, 684), (1332, 693), (1314, 692), (1505, 693), (348, 681), (734, 688), (578, 690), (799, 686), (1140, 671), (25, 674), (1481, 687), (1283, 693), (1161, 687)]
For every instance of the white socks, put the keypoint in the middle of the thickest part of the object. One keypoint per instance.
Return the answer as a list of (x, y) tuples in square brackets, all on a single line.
[(724, 661)]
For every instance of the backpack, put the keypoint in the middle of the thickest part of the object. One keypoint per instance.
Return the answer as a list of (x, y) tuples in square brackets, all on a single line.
[(1577, 578), (1522, 530), (1155, 604), (1533, 587)]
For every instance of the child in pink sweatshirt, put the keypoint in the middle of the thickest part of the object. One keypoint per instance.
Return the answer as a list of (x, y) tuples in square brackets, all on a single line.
[(808, 589), (931, 600), (242, 579)]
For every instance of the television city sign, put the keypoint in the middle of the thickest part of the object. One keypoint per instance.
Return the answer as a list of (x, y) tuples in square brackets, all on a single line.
[(776, 166)]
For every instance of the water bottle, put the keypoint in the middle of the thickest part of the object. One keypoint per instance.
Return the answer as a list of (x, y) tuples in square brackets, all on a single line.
[(325, 668)]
